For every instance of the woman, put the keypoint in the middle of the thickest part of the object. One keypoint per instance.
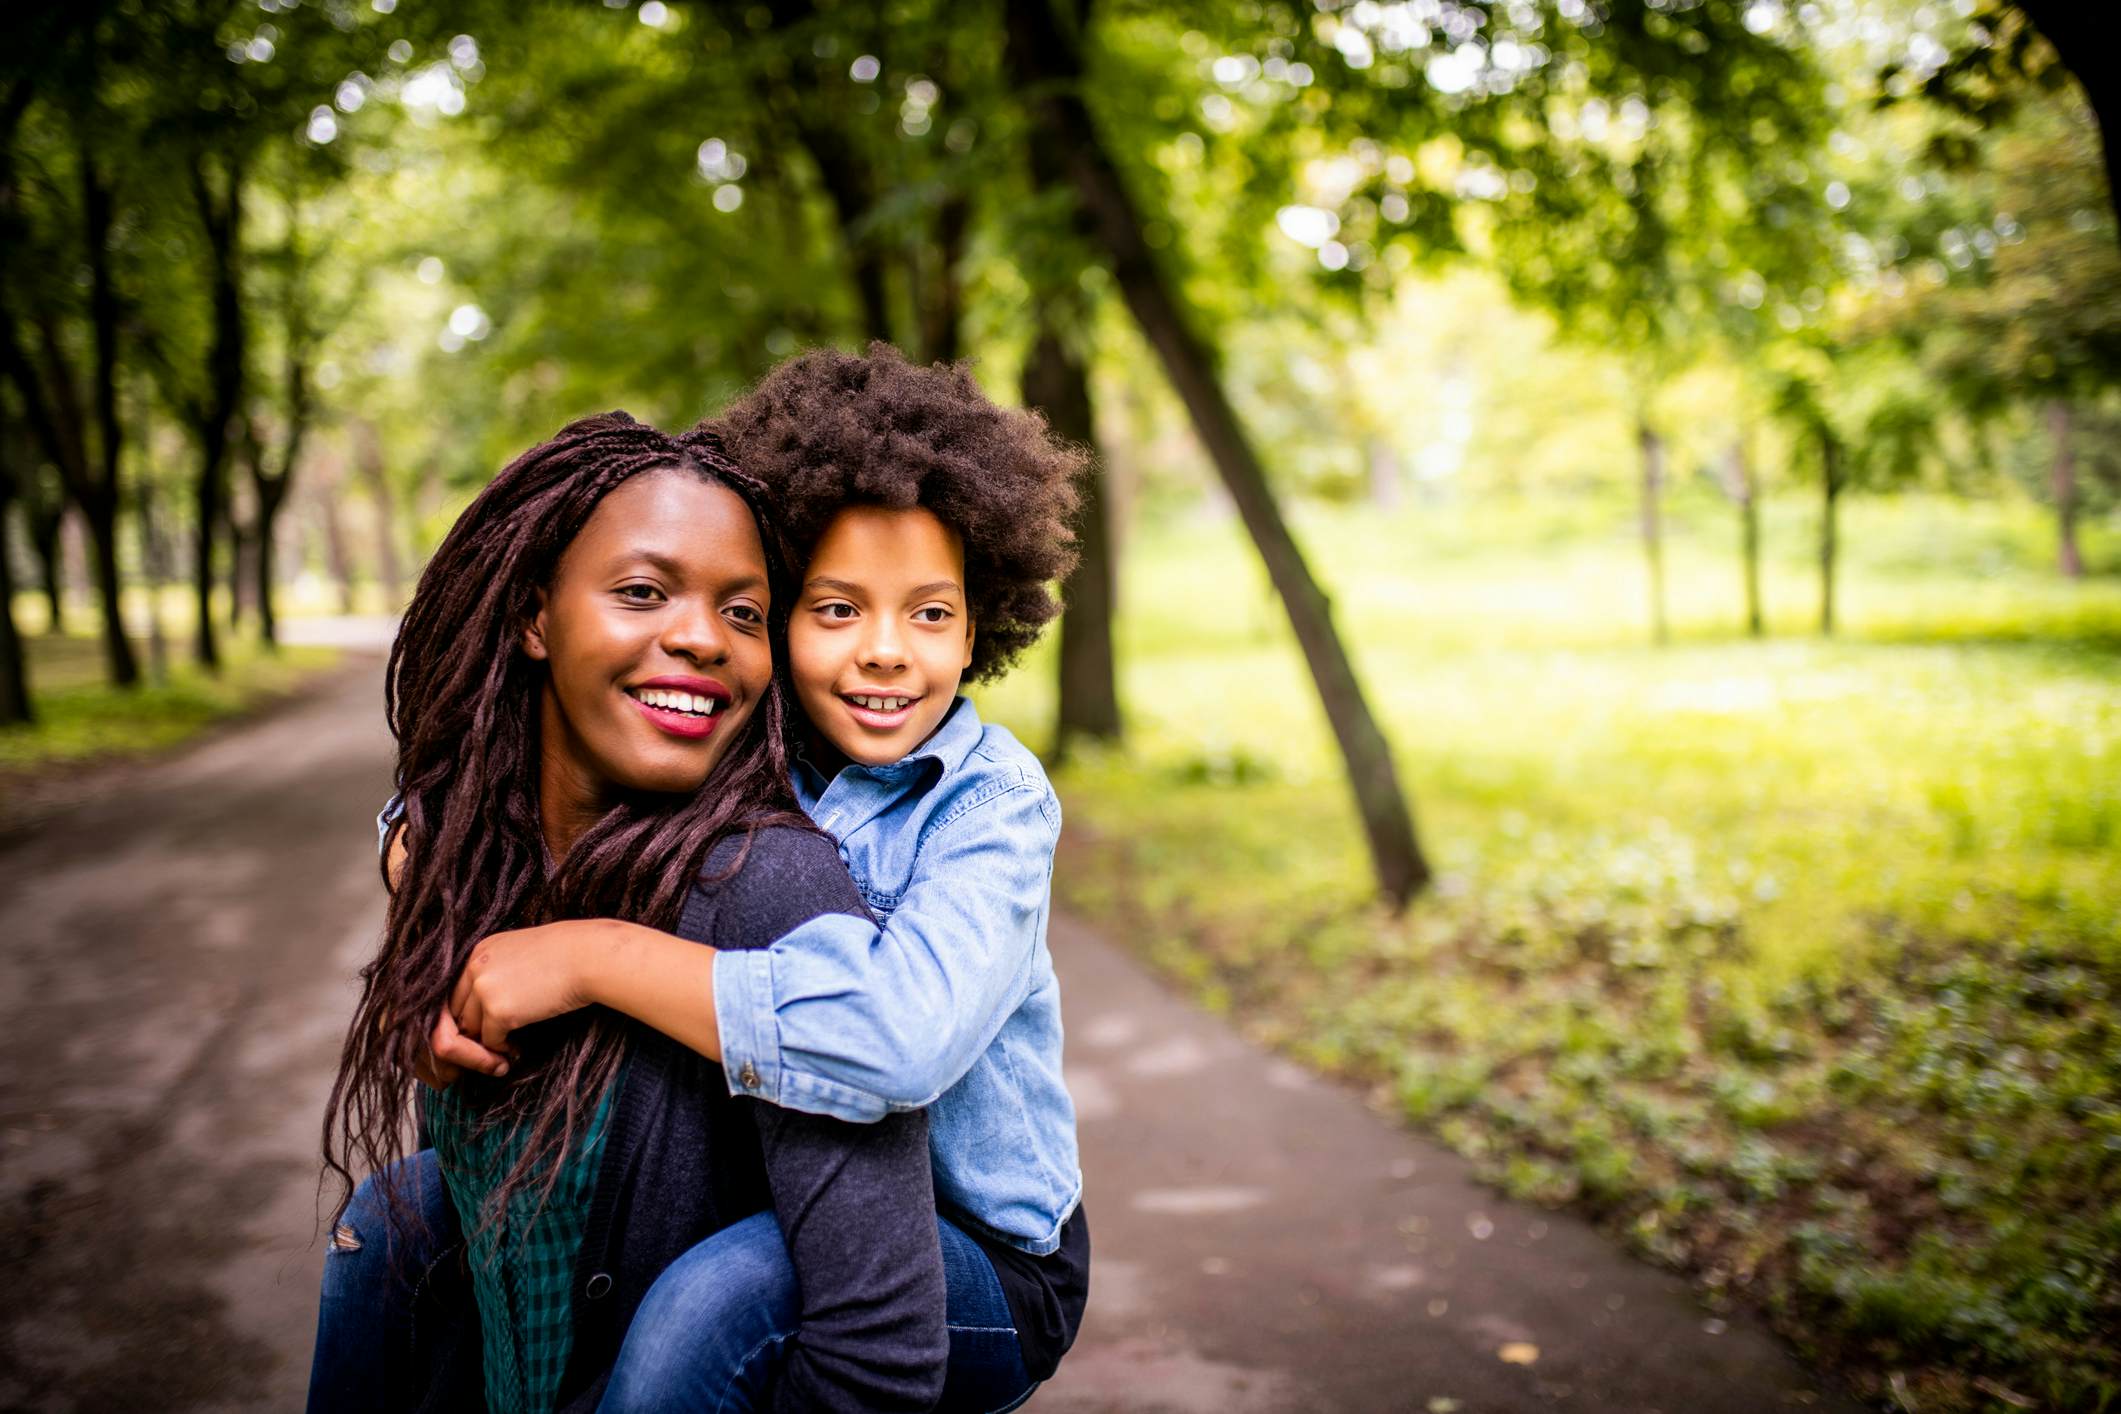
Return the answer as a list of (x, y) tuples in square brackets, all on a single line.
[(588, 725)]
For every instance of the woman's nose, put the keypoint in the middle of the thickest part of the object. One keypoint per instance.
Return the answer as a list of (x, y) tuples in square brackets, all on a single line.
[(696, 632)]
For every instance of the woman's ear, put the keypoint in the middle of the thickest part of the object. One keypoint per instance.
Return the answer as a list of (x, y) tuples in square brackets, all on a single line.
[(534, 633)]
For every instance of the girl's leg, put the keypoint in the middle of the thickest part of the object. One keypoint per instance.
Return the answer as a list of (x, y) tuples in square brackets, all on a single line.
[(394, 1327), (987, 1372), (709, 1334)]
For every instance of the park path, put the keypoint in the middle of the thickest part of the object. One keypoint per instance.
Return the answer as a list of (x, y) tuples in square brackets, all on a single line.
[(177, 945)]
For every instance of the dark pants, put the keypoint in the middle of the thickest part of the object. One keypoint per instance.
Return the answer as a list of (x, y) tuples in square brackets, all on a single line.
[(401, 1332)]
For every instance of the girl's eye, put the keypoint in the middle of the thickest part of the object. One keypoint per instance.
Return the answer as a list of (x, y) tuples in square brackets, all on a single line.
[(933, 614), (837, 611)]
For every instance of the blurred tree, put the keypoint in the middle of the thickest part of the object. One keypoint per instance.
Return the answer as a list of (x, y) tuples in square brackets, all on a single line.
[(57, 219), (2011, 50), (2021, 304), (1046, 58), (15, 705)]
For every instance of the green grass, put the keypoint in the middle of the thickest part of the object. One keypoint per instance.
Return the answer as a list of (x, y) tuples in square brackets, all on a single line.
[(80, 718), (1795, 961)]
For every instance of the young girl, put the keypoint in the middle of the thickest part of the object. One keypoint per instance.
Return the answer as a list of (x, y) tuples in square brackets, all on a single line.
[(588, 724)]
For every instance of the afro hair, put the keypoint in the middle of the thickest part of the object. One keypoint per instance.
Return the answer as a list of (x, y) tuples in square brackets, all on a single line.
[(827, 430)]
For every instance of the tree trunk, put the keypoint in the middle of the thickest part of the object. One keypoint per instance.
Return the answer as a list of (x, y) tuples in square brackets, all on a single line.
[(1058, 385), (1047, 67), (154, 563), (1652, 532), (102, 505), (221, 214), (268, 625), (2059, 426), (1745, 493), (44, 540), (368, 460), (1386, 479), (15, 707), (118, 656), (241, 563), (943, 295), (337, 560), (1830, 480)]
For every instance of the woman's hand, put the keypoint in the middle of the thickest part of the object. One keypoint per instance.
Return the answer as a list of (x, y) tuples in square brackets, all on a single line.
[(520, 977)]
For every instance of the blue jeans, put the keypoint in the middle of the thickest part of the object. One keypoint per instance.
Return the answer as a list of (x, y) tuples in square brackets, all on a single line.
[(396, 1328), (403, 1335)]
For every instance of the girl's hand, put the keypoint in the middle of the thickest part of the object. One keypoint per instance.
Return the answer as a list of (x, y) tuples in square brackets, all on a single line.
[(520, 977), (450, 1053)]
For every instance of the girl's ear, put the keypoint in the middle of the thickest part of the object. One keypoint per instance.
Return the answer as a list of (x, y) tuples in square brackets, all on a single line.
[(534, 633)]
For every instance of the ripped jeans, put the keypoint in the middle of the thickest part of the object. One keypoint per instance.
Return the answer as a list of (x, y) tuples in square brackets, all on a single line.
[(396, 1327), (403, 1335)]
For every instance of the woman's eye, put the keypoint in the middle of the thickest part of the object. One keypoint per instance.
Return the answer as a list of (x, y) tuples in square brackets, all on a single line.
[(745, 613), (639, 593), (933, 614)]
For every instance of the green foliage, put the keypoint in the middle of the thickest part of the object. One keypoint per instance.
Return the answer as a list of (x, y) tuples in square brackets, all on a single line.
[(1796, 962)]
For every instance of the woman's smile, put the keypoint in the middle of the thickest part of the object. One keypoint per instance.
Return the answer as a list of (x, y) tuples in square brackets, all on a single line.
[(682, 706)]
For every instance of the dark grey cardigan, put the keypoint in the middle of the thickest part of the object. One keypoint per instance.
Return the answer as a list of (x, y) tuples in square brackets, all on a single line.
[(684, 1159)]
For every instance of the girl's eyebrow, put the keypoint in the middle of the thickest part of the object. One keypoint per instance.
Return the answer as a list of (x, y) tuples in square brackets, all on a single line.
[(852, 590)]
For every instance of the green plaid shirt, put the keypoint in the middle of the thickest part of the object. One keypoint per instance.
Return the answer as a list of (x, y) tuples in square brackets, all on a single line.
[(522, 1266)]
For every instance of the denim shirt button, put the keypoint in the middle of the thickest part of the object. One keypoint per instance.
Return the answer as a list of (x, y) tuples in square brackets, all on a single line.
[(748, 1077), (599, 1287)]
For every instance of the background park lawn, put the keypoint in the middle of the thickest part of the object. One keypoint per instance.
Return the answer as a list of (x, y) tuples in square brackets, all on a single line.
[(1796, 959), (81, 718)]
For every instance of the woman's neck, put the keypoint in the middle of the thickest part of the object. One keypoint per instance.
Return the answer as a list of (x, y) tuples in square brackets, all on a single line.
[(571, 797)]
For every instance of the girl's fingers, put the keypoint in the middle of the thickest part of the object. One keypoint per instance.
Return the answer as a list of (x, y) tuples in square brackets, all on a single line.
[(468, 1015), (453, 1048), (492, 1033)]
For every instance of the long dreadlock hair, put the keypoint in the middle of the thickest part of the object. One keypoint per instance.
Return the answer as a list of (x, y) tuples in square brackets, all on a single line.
[(462, 701)]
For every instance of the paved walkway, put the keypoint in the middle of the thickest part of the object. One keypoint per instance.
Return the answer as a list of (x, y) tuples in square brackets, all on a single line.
[(176, 953)]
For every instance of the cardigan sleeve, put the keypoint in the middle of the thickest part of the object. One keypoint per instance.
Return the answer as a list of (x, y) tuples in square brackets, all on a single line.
[(856, 1202)]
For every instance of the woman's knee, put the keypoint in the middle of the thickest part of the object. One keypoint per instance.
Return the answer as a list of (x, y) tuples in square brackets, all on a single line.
[(393, 1221)]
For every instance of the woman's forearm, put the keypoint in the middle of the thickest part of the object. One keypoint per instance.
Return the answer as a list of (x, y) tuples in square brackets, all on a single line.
[(661, 981)]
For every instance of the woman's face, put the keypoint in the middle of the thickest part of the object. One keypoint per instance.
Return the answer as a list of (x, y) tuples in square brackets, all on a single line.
[(653, 632)]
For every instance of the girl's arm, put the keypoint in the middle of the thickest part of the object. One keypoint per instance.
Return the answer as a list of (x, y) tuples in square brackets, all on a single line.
[(840, 1016), (855, 1202)]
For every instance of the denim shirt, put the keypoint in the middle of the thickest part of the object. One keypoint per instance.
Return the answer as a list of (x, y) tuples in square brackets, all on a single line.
[(949, 1001)]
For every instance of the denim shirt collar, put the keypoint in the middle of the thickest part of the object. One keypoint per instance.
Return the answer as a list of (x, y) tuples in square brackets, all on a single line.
[(856, 795)]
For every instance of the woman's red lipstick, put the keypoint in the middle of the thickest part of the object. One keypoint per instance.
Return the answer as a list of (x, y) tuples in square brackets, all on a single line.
[(682, 706)]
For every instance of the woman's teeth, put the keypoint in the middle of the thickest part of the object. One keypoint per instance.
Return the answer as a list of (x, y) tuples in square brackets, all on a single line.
[(678, 701), (880, 704)]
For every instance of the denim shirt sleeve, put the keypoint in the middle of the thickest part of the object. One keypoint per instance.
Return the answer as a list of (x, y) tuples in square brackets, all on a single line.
[(847, 1018), (387, 818)]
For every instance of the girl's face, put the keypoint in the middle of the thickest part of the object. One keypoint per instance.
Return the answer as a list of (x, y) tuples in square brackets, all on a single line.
[(653, 632), (881, 634)]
